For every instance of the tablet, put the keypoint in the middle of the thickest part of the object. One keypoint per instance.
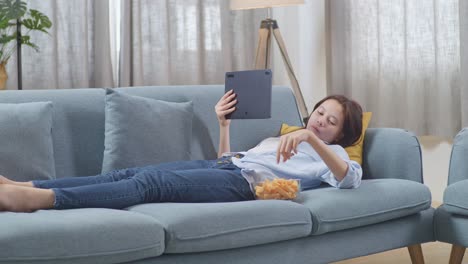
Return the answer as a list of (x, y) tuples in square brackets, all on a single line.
[(253, 90)]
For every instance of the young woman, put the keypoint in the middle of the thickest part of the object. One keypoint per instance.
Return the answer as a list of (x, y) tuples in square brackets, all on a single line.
[(314, 155)]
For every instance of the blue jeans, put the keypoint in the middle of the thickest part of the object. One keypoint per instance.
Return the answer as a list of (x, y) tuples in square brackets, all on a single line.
[(183, 181)]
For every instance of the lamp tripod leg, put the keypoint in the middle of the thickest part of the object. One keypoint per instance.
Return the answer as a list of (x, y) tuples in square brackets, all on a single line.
[(294, 82), (262, 57)]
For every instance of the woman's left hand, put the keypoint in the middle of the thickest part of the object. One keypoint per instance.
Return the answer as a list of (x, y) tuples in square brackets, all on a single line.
[(289, 142)]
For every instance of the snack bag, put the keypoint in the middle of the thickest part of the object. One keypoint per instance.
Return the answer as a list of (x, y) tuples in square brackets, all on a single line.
[(278, 188)]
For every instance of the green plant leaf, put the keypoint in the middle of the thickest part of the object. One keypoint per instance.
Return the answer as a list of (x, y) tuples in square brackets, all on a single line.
[(44, 20), (26, 40), (4, 23), (38, 21), (7, 38), (12, 9)]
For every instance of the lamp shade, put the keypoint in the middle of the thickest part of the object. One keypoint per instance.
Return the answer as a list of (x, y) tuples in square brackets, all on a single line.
[(252, 4)]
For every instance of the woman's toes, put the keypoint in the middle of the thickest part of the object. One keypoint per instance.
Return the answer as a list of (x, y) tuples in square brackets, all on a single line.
[(2, 179)]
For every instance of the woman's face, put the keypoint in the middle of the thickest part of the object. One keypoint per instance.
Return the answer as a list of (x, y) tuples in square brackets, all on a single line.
[(327, 121)]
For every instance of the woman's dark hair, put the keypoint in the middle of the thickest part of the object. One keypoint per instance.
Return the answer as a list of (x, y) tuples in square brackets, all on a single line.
[(352, 123)]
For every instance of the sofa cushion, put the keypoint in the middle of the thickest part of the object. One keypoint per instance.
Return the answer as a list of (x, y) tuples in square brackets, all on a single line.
[(26, 151), (374, 201), (456, 198), (143, 131), (78, 236), (201, 227)]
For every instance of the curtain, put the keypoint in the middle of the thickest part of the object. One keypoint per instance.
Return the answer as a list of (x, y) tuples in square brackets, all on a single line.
[(185, 41), (464, 61), (303, 30), (402, 60), (75, 53), (161, 43)]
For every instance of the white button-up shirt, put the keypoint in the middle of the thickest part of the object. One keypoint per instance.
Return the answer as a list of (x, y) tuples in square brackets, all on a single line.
[(259, 164)]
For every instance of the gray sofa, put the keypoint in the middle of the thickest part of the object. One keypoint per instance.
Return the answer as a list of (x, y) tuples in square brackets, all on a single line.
[(391, 209), (451, 218)]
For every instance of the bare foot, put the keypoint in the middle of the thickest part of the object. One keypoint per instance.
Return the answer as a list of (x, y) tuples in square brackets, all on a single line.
[(5, 180), (24, 199)]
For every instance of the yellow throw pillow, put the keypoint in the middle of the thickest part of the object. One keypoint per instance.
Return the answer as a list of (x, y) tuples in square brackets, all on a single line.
[(354, 151), (286, 129)]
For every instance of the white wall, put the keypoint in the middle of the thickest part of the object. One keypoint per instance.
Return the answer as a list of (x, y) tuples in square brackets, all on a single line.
[(436, 157), (303, 30)]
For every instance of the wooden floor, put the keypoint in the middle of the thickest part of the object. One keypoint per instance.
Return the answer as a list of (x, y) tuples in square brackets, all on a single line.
[(434, 253)]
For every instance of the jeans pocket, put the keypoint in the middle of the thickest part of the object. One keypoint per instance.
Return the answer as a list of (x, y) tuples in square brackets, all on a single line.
[(224, 163)]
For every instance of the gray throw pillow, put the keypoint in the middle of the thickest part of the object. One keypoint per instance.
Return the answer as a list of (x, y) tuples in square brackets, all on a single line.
[(142, 131), (26, 148)]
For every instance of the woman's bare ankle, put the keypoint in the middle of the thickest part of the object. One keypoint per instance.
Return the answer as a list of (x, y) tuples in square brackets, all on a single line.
[(25, 184)]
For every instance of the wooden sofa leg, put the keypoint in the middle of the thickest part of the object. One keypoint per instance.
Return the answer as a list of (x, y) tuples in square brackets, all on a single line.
[(416, 254), (456, 256)]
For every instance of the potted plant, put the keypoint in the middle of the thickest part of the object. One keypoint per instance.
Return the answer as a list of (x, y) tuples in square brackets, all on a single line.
[(12, 11)]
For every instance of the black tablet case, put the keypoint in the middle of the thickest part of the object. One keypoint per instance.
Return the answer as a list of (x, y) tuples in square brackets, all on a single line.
[(253, 90)]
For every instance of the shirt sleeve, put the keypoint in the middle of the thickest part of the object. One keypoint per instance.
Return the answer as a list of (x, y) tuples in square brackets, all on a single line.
[(352, 178)]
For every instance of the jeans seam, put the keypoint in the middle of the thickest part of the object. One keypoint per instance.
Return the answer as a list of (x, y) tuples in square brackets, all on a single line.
[(59, 201), (190, 185), (109, 199), (186, 185)]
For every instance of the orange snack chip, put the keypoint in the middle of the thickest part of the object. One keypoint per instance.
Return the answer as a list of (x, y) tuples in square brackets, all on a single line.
[(279, 189)]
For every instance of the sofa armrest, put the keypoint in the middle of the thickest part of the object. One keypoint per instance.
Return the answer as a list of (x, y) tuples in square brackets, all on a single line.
[(391, 153), (458, 169)]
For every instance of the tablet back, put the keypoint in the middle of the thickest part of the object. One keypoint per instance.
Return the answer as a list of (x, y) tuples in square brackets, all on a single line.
[(253, 90)]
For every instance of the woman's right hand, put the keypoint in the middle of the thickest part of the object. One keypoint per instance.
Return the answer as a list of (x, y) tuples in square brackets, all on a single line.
[(225, 106)]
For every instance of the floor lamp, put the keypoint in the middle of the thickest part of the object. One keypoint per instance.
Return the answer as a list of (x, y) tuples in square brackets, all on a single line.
[(269, 27)]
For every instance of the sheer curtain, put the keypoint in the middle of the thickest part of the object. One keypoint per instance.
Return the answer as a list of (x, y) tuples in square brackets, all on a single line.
[(402, 60), (159, 42), (184, 41), (464, 61), (303, 30), (76, 53)]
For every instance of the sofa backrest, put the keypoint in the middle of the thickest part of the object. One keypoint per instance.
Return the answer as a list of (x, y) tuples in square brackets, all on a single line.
[(458, 169), (78, 122)]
